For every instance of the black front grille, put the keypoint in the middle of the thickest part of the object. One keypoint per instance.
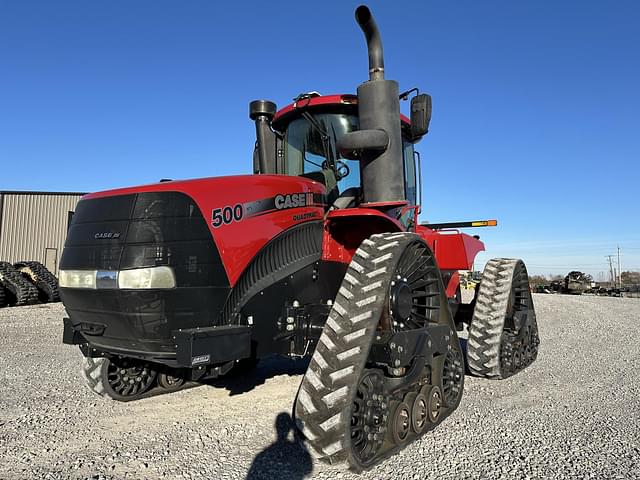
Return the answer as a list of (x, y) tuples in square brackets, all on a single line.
[(144, 230)]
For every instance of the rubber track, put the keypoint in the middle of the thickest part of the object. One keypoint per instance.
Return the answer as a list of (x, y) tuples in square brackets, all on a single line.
[(22, 291), (2, 296), (327, 391), (42, 278), (92, 373), (487, 324)]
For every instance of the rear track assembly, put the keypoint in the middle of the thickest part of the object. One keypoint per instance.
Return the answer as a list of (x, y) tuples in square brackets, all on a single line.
[(503, 334)]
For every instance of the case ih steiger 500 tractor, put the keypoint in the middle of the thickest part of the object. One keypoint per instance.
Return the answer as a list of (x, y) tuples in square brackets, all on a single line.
[(319, 254)]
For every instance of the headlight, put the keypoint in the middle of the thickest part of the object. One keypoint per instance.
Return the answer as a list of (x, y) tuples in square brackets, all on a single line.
[(140, 278), (77, 278)]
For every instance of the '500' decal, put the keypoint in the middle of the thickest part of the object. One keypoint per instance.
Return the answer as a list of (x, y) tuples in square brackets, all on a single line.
[(228, 214), (284, 201)]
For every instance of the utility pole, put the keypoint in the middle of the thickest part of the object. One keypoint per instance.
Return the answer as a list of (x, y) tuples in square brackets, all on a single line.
[(619, 271), (609, 257)]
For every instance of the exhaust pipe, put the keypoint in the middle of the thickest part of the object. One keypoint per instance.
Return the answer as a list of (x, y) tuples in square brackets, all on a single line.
[(374, 42), (382, 170)]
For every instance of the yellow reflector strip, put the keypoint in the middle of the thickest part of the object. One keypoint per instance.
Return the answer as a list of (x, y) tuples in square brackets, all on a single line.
[(484, 223)]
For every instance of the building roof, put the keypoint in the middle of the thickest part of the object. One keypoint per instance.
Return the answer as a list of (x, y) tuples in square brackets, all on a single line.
[(27, 192)]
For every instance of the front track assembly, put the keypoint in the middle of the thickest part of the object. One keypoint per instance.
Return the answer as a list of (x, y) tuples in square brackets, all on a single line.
[(388, 366), (503, 334)]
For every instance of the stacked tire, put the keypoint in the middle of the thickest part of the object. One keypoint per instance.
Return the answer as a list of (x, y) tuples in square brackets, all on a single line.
[(17, 289), (27, 283), (42, 278)]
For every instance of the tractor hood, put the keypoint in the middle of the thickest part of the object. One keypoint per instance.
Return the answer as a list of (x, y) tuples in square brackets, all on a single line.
[(241, 213), (140, 263)]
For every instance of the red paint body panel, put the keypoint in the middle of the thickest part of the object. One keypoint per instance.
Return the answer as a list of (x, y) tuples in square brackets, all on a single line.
[(239, 242), (453, 284), (324, 100), (453, 250), (346, 229)]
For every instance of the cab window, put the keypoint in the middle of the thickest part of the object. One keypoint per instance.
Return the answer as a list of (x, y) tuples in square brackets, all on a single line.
[(411, 189), (306, 152)]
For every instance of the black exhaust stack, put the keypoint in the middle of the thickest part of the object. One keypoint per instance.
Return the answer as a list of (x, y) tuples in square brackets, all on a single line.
[(379, 110)]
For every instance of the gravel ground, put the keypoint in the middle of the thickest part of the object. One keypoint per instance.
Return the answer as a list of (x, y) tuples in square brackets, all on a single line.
[(575, 413)]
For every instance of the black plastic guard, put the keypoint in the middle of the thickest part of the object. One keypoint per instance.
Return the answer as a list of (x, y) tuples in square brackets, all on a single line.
[(70, 336), (211, 345)]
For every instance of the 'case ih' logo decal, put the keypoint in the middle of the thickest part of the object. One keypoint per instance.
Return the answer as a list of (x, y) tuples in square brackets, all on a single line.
[(282, 201), (293, 200), (103, 235)]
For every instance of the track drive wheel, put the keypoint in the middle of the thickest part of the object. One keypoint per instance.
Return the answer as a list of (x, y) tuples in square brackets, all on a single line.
[(503, 334), (124, 380), (345, 404)]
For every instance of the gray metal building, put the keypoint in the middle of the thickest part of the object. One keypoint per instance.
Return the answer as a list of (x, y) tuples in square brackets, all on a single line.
[(33, 225)]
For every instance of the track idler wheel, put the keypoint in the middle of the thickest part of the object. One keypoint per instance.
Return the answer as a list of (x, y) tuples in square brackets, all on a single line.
[(125, 380), (369, 414), (170, 383), (452, 378)]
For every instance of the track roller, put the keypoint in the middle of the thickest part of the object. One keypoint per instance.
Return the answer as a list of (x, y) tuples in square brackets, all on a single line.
[(419, 411), (385, 340), (401, 423), (503, 334), (434, 403)]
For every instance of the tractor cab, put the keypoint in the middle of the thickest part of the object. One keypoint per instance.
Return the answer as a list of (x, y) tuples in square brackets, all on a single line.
[(303, 139)]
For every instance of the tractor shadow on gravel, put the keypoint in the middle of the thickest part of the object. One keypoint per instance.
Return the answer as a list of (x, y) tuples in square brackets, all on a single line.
[(243, 382), (286, 458)]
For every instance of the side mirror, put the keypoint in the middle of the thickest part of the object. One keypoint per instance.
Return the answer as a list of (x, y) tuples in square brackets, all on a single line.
[(420, 115)]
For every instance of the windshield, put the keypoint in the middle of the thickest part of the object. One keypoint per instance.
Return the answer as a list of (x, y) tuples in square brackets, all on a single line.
[(307, 153)]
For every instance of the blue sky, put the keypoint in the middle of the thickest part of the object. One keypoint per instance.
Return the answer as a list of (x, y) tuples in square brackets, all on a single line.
[(535, 118)]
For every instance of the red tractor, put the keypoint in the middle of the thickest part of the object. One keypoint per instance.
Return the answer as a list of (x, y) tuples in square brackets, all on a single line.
[(318, 254)]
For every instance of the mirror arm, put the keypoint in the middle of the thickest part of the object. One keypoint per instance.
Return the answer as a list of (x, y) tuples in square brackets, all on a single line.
[(371, 140), (416, 156), (405, 95)]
